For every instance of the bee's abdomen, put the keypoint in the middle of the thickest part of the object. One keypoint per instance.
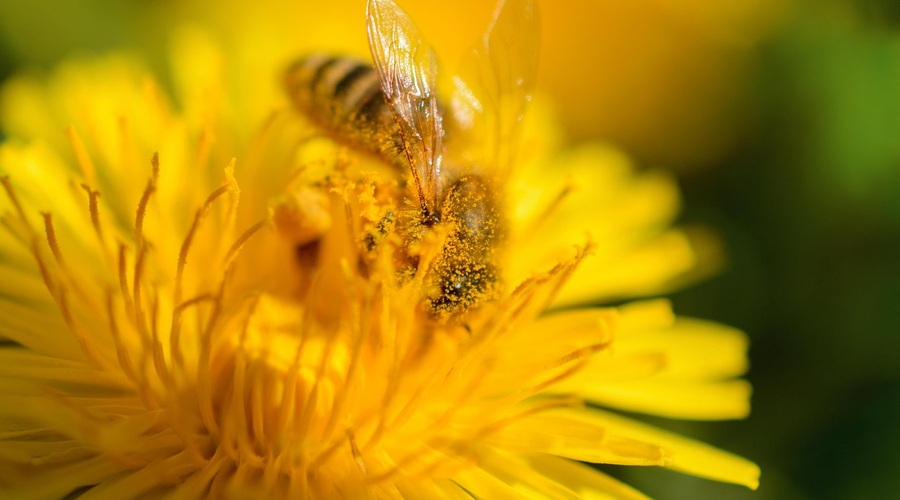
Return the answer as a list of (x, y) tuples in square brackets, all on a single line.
[(343, 96)]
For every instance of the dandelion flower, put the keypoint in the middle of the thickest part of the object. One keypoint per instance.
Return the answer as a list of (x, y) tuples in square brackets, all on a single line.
[(171, 328)]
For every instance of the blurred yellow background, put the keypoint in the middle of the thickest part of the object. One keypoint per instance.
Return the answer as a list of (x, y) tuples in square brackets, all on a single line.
[(667, 80)]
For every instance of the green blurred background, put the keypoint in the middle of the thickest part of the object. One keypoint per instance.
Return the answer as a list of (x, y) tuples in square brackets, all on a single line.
[(782, 121)]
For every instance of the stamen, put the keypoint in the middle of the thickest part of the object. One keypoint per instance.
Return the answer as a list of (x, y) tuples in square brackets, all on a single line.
[(175, 328), (580, 357), (289, 395), (140, 320), (64, 276), (465, 395), (82, 339), (154, 166), (94, 207), (123, 281), (260, 378), (175, 341), (159, 357), (236, 247), (206, 297), (298, 483), (245, 430), (51, 238), (467, 460), (122, 354), (356, 317), (550, 404), (357, 456), (401, 464), (142, 204), (460, 444), (154, 312), (234, 191), (121, 351), (399, 345), (148, 341), (534, 295), (326, 454), (204, 389), (81, 156), (219, 486), (45, 272), (352, 226), (239, 441), (204, 386), (211, 468), (390, 392), (11, 193), (189, 238), (312, 400), (407, 411), (272, 473), (563, 271)]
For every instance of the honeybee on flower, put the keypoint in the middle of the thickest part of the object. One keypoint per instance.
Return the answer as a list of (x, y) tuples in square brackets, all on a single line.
[(392, 110)]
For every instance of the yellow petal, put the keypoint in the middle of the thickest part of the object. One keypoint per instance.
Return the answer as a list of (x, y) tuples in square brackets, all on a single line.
[(685, 454), (65, 479), (43, 452), (577, 439), (646, 314), (427, 490), (639, 270), (559, 334), (587, 482), (694, 349), (21, 365), (145, 481), (675, 399), (513, 470), (37, 331), (21, 286), (631, 254), (678, 370), (481, 484), (607, 369)]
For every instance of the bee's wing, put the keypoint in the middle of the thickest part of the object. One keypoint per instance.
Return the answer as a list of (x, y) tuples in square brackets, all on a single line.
[(407, 68), (494, 85)]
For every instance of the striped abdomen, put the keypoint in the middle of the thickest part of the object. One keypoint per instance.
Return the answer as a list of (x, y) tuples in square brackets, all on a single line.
[(343, 96)]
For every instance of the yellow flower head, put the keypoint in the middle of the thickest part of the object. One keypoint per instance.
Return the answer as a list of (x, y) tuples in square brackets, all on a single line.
[(191, 305)]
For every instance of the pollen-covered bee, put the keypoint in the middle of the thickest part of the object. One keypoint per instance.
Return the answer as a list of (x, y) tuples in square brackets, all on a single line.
[(391, 110)]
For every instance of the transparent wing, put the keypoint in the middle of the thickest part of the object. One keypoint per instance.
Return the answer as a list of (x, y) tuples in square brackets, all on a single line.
[(494, 85), (407, 68)]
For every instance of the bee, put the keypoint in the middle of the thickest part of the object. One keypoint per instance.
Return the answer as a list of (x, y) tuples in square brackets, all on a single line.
[(391, 110)]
